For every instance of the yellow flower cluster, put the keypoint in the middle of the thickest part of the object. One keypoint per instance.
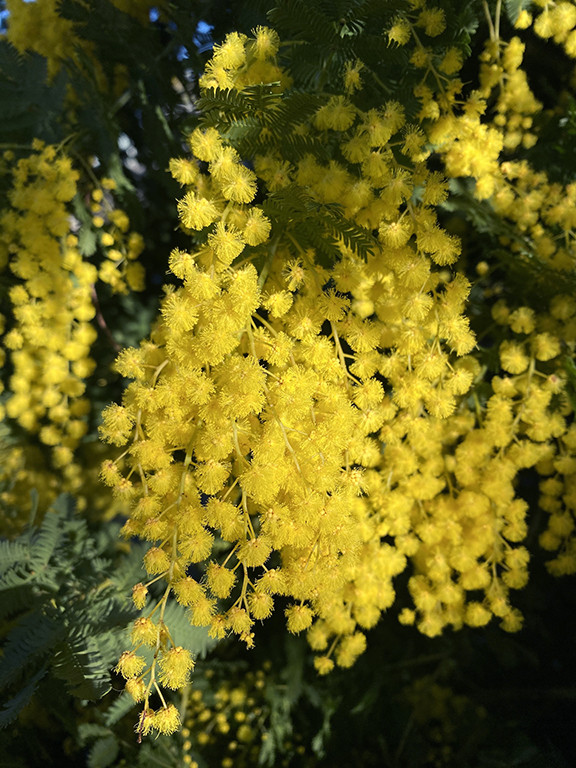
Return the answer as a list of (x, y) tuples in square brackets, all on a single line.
[(240, 61), (515, 103), (555, 21), (259, 404), (530, 405), (541, 212), (50, 338), (38, 26), (22, 467), (121, 246), (543, 411), (300, 432), (48, 334)]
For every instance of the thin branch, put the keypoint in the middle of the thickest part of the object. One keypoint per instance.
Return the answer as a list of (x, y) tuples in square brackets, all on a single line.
[(100, 319)]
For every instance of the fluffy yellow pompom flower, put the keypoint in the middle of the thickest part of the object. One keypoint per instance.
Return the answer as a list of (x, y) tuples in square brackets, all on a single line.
[(298, 618), (206, 145), (399, 32), (239, 184), (232, 53), (183, 170), (156, 561), (349, 649), (323, 664), (220, 579), (227, 244), (130, 665), (266, 43), (139, 595), (144, 631), (513, 357), (196, 212), (433, 20), (256, 228), (546, 346), (166, 720), (337, 115), (261, 605), (136, 689), (175, 665), (117, 424)]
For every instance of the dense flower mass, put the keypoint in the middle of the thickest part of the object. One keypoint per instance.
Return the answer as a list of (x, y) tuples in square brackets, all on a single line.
[(333, 393), (48, 335), (324, 420)]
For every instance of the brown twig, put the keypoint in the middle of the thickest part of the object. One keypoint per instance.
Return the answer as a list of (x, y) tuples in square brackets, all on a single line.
[(100, 319)]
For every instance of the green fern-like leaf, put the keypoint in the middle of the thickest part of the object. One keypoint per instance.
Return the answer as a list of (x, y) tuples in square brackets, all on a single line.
[(304, 21), (195, 639), (16, 704), (67, 615), (28, 644), (90, 731), (14, 578), (17, 597), (118, 709), (30, 107), (315, 224), (79, 662), (104, 752), (12, 552), (46, 540), (253, 104)]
